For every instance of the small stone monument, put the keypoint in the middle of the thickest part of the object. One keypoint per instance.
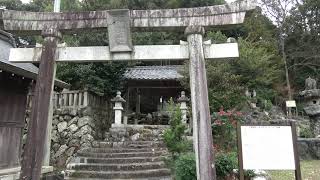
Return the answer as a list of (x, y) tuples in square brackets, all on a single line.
[(311, 102), (183, 106), (310, 83), (118, 100), (252, 100)]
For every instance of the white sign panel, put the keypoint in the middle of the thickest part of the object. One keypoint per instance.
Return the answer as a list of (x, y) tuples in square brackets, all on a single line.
[(267, 147), (291, 104)]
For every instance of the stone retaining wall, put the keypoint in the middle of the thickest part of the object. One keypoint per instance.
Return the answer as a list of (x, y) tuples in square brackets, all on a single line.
[(75, 128), (309, 148), (135, 133)]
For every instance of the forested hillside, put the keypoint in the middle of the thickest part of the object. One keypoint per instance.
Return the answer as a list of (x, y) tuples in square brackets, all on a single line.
[(289, 43)]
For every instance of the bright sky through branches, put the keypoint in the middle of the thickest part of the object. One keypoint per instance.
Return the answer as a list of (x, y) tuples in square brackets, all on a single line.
[(27, 1)]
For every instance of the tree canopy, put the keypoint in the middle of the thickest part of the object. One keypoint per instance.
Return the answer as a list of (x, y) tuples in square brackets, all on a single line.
[(272, 52)]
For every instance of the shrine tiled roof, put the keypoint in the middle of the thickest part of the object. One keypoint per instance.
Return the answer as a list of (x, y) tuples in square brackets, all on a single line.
[(24, 69), (154, 73), (7, 43)]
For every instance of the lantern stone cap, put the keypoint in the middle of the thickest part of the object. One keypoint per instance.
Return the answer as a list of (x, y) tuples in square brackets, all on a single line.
[(183, 97), (313, 110), (118, 98), (312, 93)]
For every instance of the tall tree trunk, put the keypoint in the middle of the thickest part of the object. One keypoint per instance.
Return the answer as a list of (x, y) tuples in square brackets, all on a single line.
[(284, 58)]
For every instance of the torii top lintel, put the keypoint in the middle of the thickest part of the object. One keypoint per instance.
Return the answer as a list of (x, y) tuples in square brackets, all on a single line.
[(161, 19)]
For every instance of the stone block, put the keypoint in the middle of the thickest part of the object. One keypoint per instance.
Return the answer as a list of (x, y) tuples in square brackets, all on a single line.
[(74, 143), (70, 151), (55, 147), (57, 111), (65, 111), (61, 119), (85, 130), (84, 121), (73, 112), (62, 126), (87, 138), (73, 128), (135, 137), (73, 121), (61, 150), (54, 136), (67, 118)]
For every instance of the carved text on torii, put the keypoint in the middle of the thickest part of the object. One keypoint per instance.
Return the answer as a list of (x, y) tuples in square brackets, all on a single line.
[(119, 31)]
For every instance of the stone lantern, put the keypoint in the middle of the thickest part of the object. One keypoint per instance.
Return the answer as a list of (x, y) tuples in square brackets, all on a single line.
[(118, 100), (183, 106), (311, 101)]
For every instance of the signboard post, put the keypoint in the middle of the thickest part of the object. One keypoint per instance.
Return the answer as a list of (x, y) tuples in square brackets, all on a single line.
[(268, 147)]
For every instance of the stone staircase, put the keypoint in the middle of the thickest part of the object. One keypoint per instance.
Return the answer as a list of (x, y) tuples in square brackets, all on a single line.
[(139, 160)]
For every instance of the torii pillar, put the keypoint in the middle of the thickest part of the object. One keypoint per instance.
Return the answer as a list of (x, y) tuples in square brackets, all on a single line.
[(32, 162), (202, 134)]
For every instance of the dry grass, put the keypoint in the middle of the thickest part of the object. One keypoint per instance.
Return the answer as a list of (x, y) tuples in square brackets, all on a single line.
[(310, 171)]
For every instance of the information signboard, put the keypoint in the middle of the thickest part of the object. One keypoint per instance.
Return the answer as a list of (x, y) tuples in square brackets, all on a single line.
[(268, 147), (291, 104)]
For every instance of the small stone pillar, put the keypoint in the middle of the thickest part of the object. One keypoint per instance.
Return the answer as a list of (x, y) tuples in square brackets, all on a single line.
[(183, 106), (118, 100)]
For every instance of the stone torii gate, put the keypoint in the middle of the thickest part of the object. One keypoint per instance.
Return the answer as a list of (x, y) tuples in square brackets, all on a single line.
[(119, 22)]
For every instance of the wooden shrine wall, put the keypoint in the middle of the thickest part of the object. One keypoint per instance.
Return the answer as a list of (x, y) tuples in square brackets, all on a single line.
[(13, 96)]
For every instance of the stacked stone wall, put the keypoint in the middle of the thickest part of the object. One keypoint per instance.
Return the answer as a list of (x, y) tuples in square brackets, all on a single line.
[(74, 129), (309, 148)]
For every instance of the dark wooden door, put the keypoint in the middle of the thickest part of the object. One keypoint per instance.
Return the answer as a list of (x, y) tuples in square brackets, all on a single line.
[(13, 97)]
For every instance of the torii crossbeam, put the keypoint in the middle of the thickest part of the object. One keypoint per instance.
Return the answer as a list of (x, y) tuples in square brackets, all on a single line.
[(192, 20)]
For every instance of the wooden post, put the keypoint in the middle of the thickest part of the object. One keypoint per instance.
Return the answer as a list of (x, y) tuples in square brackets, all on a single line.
[(202, 132), (128, 101), (240, 156), (33, 153), (138, 103), (295, 151)]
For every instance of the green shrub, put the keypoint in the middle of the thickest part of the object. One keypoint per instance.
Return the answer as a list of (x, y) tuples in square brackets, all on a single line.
[(185, 167), (225, 163), (174, 136), (305, 132)]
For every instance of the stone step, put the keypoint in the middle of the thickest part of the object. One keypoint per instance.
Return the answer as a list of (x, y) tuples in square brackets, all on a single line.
[(121, 150), (136, 144), (151, 173), (116, 167), (122, 154), (121, 160)]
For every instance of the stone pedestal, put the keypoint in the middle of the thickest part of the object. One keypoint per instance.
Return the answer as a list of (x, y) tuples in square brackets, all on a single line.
[(118, 100)]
